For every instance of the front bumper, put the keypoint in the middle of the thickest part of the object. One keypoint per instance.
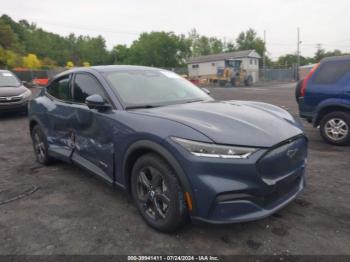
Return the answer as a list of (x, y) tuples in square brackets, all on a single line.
[(14, 106), (237, 190), (252, 207)]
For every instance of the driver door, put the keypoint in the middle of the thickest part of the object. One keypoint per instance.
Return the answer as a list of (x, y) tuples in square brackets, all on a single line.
[(94, 147)]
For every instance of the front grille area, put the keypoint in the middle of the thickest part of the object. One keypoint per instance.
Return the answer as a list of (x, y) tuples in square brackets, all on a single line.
[(286, 187), (283, 190), (10, 99), (286, 158)]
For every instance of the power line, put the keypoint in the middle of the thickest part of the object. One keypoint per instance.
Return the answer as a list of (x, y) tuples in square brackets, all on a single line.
[(137, 33), (87, 28), (339, 41), (264, 54)]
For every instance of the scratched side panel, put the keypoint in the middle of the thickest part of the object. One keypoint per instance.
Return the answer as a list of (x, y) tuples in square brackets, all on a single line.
[(94, 147)]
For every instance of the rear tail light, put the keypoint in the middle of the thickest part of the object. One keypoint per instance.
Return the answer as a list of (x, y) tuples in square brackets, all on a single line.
[(306, 79)]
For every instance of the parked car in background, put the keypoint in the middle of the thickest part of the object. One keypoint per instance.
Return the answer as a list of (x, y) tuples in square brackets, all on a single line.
[(178, 152), (14, 96), (324, 99)]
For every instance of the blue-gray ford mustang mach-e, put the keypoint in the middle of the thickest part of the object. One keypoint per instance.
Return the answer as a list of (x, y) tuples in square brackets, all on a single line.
[(178, 152)]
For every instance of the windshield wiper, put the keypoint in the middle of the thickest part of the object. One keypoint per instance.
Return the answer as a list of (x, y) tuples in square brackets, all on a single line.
[(141, 106), (194, 100)]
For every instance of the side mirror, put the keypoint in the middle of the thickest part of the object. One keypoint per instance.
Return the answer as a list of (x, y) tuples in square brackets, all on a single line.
[(97, 102), (24, 83), (205, 90)]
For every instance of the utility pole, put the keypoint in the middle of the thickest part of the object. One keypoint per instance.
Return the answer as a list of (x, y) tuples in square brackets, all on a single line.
[(264, 55), (318, 46), (298, 54)]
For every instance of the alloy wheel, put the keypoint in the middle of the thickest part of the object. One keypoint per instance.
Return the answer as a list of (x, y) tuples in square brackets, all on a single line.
[(336, 129), (39, 147), (152, 193)]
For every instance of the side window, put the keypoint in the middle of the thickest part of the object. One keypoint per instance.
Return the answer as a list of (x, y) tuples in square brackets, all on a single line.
[(331, 72), (86, 85), (60, 89)]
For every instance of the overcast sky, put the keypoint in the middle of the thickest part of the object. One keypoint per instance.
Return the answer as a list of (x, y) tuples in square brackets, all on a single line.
[(325, 22)]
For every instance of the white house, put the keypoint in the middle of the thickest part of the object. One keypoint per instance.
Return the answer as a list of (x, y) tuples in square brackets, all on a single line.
[(207, 66)]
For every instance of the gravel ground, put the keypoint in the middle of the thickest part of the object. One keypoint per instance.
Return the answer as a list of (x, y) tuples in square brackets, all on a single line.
[(62, 210)]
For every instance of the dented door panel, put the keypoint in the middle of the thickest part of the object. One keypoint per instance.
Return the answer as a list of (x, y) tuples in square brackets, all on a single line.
[(61, 135), (94, 146)]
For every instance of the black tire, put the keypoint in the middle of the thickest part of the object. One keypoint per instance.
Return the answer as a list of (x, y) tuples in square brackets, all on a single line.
[(222, 83), (152, 174), (40, 146), (335, 128), (298, 91), (25, 112), (248, 81), (233, 82)]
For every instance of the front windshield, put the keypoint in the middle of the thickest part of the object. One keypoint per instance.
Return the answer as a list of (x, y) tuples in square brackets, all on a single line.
[(8, 79), (142, 87)]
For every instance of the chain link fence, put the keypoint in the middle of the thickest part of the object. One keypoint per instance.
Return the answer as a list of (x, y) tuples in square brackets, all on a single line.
[(289, 74), (268, 74), (29, 75)]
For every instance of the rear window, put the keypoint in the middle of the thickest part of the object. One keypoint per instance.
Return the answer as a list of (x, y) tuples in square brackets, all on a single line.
[(331, 72), (60, 89)]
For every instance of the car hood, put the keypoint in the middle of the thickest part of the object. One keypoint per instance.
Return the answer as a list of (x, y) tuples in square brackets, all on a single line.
[(233, 122), (12, 91)]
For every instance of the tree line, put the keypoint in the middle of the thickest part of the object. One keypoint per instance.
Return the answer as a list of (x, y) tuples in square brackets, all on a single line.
[(23, 44)]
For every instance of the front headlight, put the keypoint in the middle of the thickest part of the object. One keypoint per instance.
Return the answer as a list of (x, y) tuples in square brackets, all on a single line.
[(213, 150), (26, 94)]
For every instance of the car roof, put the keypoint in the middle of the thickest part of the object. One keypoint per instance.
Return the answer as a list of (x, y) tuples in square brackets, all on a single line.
[(4, 71), (105, 68), (109, 68), (336, 58)]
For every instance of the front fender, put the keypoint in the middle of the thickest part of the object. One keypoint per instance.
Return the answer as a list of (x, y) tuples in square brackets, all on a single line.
[(34, 120), (160, 149)]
